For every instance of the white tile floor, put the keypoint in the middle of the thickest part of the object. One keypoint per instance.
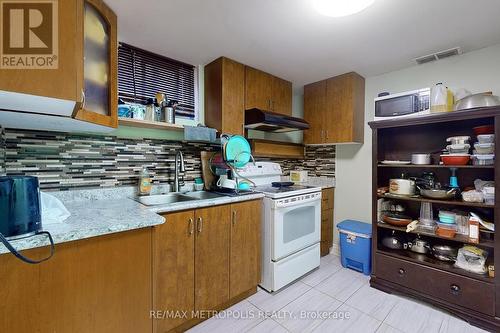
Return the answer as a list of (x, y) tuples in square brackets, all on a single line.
[(332, 291)]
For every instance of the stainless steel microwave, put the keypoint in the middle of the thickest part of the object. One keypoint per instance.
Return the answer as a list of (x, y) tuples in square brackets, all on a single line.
[(405, 104)]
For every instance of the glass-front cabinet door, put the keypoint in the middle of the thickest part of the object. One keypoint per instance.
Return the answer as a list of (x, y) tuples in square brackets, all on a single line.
[(99, 75)]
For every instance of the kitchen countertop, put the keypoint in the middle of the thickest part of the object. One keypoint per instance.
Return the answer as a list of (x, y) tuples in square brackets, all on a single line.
[(102, 212)]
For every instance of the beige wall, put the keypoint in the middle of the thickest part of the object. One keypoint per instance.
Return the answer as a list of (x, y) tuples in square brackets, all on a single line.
[(476, 71)]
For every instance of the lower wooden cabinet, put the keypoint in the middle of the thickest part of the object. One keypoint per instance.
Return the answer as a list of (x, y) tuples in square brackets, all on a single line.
[(245, 247), (211, 262), (327, 199), (204, 259), (101, 284), (173, 269)]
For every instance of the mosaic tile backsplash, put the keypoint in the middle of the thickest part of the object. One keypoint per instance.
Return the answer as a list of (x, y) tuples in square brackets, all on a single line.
[(63, 161)]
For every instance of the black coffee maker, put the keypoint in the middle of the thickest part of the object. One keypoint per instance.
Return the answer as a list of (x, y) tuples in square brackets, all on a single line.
[(20, 213)]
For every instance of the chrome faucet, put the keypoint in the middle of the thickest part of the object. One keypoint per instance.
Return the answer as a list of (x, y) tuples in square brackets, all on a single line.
[(179, 158)]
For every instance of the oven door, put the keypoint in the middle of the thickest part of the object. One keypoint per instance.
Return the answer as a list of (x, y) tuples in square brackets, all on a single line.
[(295, 226)]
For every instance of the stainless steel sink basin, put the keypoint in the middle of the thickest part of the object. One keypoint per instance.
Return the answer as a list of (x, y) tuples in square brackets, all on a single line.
[(200, 195), (162, 199)]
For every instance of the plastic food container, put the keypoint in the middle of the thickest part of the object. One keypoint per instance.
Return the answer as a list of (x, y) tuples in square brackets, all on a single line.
[(457, 140), (486, 138), (472, 196), (484, 148), (488, 159), (447, 217), (458, 148), (489, 199), (485, 129), (446, 230), (455, 159)]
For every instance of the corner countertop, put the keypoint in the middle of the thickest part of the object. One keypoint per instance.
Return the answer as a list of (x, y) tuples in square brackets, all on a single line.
[(97, 214), (323, 182)]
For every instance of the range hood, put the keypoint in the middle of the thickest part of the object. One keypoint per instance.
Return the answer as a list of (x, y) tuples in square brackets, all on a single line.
[(268, 121)]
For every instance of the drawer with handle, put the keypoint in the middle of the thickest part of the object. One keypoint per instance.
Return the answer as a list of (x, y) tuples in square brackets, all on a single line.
[(460, 290)]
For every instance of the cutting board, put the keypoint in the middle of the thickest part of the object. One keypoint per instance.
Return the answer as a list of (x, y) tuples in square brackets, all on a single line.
[(206, 173)]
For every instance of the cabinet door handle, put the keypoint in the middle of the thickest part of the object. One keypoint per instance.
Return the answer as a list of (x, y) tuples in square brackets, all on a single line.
[(401, 272), (326, 134), (200, 224), (191, 226), (455, 289), (269, 104), (234, 217)]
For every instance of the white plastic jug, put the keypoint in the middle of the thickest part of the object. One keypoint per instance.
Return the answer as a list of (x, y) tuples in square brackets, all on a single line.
[(441, 98)]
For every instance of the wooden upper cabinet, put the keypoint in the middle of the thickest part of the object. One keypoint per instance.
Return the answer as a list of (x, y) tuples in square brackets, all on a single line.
[(231, 88), (315, 111), (87, 64), (97, 73), (282, 96), (173, 268), (345, 95), (267, 92), (225, 96), (258, 89), (245, 246), (212, 257), (340, 107), (58, 83)]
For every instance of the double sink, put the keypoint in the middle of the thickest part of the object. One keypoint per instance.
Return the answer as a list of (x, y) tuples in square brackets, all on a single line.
[(169, 198)]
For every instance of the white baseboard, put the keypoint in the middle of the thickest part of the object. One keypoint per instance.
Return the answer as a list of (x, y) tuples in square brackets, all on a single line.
[(335, 249)]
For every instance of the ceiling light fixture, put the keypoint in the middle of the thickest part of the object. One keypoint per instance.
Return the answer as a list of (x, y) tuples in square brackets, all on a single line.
[(338, 8)]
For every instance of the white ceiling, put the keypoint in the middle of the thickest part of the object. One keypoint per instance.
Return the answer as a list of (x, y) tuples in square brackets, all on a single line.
[(289, 39)]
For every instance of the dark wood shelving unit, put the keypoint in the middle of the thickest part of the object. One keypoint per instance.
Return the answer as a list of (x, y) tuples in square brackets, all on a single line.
[(473, 297), (458, 238), (436, 201)]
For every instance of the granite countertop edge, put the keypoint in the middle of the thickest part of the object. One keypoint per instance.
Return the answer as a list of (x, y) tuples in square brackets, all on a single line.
[(92, 218)]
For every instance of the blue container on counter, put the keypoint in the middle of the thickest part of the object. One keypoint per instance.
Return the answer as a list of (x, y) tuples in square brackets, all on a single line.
[(356, 245)]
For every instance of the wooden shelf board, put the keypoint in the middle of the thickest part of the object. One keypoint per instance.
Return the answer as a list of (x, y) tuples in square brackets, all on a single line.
[(434, 263), (436, 201), (458, 238), (434, 166), (149, 124)]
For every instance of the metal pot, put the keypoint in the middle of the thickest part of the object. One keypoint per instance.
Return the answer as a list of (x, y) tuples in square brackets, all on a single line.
[(444, 252), (477, 101), (421, 159), (401, 186), (418, 245), (392, 242)]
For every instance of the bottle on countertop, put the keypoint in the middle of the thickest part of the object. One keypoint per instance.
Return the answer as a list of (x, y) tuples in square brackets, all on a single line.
[(144, 182)]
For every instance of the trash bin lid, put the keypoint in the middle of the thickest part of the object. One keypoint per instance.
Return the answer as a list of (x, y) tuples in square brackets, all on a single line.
[(355, 227)]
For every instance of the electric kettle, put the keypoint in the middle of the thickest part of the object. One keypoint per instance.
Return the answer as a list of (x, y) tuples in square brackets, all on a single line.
[(20, 213)]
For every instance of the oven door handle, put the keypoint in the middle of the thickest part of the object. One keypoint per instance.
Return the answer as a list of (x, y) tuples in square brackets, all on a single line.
[(281, 204)]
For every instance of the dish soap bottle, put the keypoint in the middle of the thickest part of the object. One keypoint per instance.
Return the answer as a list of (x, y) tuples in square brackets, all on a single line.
[(144, 182)]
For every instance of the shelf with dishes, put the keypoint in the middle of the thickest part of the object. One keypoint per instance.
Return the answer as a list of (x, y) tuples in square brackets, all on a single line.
[(486, 243), (418, 198)]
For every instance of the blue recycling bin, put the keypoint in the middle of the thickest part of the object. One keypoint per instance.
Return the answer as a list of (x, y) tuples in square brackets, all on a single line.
[(355, 245)]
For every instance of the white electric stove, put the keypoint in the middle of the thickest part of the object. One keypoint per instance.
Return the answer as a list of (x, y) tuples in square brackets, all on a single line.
[(291, 225)]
